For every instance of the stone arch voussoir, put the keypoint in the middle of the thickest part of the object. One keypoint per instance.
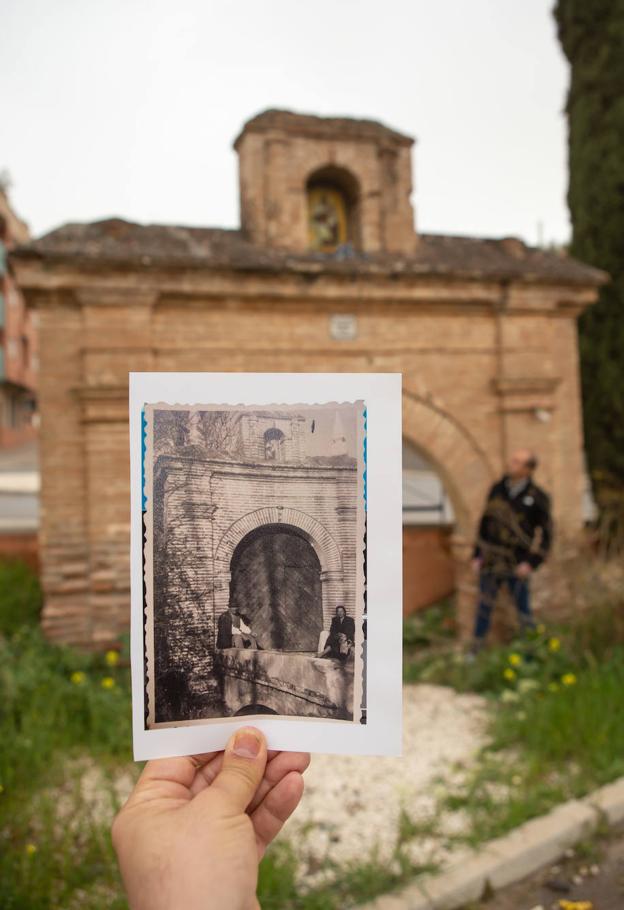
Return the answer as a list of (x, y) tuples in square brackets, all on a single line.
[(464, 468), (319, 537)]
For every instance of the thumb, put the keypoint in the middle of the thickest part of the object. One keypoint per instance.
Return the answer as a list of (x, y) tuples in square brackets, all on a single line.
[(244, 761)]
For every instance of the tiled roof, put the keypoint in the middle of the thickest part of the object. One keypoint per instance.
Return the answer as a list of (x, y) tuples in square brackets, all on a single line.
[(123, 243)]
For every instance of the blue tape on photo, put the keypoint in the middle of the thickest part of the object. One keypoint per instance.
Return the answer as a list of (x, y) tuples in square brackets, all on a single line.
[(365, 503), (143, 436)]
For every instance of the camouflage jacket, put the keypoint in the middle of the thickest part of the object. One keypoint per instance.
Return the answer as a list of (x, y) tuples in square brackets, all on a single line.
[(514, 529)]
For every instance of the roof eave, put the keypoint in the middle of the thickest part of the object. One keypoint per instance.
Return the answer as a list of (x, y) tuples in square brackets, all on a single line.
[(592, 278)]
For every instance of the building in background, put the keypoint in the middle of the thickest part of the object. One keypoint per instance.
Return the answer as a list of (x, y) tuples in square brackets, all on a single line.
[(428, 521), (327, 273), (18, 340)]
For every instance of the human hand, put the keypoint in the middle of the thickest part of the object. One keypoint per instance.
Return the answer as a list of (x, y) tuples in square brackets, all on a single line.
[(475, 564), (194, 829), (523, 569)]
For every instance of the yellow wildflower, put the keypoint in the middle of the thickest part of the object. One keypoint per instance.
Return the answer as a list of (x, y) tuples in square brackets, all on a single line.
[(78, 677), (554, 645), (111, 658), (108, 682), (515, 660), (575, 905), (30, 849), (568, 679), (509, 674)]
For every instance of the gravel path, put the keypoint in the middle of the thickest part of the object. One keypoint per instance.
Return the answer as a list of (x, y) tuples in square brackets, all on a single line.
[(352, 806)]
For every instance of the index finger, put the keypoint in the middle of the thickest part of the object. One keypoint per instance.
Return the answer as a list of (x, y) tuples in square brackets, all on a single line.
[(170, 776)]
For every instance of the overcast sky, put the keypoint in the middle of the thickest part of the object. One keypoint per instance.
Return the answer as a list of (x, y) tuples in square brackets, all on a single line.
[(130, 107)]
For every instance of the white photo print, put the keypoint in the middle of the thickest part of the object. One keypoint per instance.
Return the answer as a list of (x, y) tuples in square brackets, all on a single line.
[(254, 533)]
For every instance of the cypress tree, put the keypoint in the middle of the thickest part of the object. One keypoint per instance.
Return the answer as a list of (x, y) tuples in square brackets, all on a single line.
[(591, 33)]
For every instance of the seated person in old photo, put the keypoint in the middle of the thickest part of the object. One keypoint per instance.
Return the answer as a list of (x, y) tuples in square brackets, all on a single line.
[(234, 631), (341, 638)]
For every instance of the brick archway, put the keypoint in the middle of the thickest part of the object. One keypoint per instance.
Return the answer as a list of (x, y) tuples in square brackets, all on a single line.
[(466, 471), (319, 537), (322, 542), (463, 466), (276, 580)]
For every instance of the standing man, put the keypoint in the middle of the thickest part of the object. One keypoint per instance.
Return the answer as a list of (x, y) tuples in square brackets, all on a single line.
[(514, 538)]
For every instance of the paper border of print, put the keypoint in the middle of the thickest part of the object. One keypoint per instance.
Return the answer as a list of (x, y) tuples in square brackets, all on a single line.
[(382, 394)]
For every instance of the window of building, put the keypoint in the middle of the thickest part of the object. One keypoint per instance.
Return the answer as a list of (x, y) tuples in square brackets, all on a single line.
[(425, 501)]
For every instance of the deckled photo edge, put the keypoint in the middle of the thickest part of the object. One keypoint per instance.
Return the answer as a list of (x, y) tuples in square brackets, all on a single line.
[(147, 424)]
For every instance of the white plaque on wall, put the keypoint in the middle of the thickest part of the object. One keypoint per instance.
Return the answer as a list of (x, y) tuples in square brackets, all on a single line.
[(343, 326)]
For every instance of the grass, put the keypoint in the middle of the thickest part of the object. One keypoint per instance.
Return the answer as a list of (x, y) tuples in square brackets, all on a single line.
[(358, 883), (54, 711), (556, 728), (63, 712), (548, 742), (20, 596)]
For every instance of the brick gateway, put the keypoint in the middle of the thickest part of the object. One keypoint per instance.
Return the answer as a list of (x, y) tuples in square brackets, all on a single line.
[(484, 332)]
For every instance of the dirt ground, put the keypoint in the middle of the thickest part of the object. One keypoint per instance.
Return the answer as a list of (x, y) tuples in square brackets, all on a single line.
[(593, 872)]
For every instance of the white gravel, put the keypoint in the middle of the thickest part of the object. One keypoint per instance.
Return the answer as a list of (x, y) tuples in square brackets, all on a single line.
[(351, 807)]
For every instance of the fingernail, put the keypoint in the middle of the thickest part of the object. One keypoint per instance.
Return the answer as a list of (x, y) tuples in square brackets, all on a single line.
[(246, 744)]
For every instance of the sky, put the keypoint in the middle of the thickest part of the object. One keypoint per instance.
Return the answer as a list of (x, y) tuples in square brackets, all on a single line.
[(129, 107)]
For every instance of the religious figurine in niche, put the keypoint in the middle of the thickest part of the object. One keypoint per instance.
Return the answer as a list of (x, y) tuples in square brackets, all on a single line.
[(327, 219), (273, 445), (272, 449), (325, 222)]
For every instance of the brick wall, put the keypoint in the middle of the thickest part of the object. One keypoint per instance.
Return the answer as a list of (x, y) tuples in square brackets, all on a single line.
[(204, 509), (471, 391)]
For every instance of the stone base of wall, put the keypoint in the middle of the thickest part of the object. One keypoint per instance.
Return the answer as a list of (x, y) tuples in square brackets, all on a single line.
[(291, 684)]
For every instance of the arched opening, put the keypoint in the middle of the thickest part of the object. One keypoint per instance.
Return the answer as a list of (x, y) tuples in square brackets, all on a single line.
[(273, 444), (333, 198), (428, 521), (254, 709), (276, 583)]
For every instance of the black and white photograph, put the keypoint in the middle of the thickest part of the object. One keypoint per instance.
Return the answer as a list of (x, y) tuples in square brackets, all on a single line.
[(254, 561), (266, 573)]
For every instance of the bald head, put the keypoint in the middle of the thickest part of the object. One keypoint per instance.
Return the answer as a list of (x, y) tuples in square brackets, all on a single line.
[(522, 463)]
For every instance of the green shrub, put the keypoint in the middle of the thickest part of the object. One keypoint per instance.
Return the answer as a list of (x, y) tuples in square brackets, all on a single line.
[(53, 702), (547, 744), (20, 596), (578, 726), (57, 706), (535, 657), (591, 632), (430, 627)]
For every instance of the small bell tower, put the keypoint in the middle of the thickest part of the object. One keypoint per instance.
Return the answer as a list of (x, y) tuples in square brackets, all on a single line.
[(325, 184)]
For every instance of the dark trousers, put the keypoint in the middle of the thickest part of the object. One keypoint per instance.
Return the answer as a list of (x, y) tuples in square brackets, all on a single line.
[(489, 586)]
